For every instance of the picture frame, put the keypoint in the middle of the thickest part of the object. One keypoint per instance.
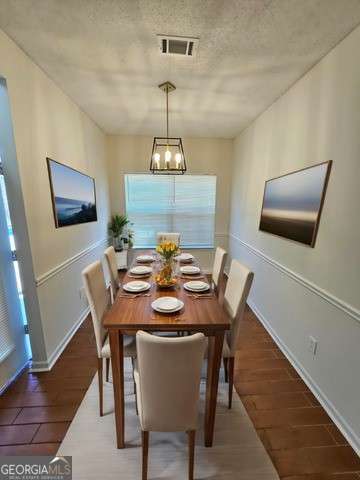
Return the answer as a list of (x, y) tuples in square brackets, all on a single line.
[(292, 203), (73, 195)]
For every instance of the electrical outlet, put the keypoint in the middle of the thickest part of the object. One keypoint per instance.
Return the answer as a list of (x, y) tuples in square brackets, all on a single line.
[(312, 346)]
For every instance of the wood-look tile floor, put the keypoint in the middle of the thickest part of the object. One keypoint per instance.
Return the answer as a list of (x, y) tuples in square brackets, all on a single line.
[(300, 438)]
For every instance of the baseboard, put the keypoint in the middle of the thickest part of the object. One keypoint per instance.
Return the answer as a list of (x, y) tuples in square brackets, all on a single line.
[(328, 406), (47, 365)]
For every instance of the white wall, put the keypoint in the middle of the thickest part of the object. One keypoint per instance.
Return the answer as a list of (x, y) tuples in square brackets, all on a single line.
[(301, 291), (131, 154), (48, 124)]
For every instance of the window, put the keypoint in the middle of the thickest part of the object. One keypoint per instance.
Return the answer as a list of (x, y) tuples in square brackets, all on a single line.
[(170, 203)]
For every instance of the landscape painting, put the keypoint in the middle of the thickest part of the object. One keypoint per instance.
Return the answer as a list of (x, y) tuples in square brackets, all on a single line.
[(73, 195), (292, 203)]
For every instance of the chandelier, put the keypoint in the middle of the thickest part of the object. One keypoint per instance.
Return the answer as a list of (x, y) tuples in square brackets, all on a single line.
[(167, 157)]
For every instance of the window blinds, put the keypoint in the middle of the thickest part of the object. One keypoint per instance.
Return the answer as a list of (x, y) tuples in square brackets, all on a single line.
[(6, 343), (169, 203)]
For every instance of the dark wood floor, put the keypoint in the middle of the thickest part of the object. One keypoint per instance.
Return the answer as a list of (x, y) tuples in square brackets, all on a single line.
[(300, 438)]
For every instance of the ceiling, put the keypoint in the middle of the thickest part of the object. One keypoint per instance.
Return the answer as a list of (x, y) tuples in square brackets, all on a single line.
[(104, 55)]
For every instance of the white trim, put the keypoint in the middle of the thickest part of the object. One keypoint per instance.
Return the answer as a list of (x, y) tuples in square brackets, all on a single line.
[(10, 380), (45, 366), (330, 298), (54, 271), (331, 410)]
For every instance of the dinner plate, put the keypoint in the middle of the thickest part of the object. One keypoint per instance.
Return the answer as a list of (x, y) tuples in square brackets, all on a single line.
[(167, 304), (136, 286), (184, 257), (196, 286), (190, 269), (140, 270), (145, 258)]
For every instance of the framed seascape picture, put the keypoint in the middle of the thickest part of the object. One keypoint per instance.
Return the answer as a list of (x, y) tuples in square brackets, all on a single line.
[(292, 203), (73, 195)]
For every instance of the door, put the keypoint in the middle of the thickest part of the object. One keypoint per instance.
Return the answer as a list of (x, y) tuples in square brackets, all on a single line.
[(14, 344)]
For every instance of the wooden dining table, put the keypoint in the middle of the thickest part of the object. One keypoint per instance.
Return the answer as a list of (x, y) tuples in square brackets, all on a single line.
[(128, 315)]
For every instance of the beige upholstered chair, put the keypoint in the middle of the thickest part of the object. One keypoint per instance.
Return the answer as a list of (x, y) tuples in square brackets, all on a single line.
[(167, 377), (168, 237), (235, 296), (110, 258), (99, 301), (218, 268)]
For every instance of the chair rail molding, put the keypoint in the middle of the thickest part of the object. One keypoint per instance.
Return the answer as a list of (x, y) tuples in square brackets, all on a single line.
[(62, 266), (327, 296)]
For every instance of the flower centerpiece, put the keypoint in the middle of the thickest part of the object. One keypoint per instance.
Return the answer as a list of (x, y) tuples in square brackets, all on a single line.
[(167, 252)]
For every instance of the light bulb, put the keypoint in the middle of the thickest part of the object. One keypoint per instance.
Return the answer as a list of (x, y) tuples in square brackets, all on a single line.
[(178, 158), (167, 157), (156, 158)]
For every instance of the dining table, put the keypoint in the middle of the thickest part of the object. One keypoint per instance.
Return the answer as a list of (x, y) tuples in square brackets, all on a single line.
[(202, 312)]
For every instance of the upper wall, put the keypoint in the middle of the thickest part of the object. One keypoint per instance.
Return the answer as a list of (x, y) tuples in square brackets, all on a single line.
[(317, 120), (47, 123), (131, 154), (300, 291)]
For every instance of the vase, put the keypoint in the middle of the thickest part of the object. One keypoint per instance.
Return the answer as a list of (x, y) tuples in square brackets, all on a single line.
[(166, 277)]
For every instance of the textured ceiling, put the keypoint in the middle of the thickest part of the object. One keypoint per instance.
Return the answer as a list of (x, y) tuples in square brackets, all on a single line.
[(104, 55)]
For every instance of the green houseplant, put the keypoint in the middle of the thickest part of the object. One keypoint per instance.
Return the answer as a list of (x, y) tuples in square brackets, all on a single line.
[(116, 227)]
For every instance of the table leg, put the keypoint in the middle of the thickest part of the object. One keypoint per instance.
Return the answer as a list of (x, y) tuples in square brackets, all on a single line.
[(117, 363), (213, 368)]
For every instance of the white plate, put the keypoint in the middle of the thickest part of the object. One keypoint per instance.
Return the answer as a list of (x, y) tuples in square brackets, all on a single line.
[(136, 286), (145, 258), (140, 270), (196, 286), (184, 257), (167, 304), (189, 269)]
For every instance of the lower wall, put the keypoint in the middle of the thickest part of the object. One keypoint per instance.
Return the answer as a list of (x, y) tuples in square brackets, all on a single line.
[(63, 314), (330, 374)]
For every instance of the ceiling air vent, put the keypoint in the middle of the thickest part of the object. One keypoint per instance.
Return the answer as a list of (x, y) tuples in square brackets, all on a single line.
[(185, 46)]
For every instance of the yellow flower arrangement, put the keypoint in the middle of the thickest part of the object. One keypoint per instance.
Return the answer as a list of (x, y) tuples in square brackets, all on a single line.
[(167, 250)]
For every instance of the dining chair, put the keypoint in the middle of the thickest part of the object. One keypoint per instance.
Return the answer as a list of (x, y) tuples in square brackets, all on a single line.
[(218, 269), (236, 293), (168, 237), (99, 302), (167, 376), (111, 263)]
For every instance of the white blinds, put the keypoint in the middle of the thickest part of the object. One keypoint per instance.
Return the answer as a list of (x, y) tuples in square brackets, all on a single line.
[(170, 203), (6, 344)]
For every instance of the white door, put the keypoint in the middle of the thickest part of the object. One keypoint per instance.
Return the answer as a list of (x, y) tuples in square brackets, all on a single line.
[(14, 349)]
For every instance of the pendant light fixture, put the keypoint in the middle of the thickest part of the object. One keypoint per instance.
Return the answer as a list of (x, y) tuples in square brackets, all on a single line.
[(167, 157)]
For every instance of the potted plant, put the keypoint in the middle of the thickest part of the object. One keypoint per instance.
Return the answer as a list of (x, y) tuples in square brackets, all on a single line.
[(116, 227), (167, 251)]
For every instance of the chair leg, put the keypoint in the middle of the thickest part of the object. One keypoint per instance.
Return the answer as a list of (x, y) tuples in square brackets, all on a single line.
[(225, 360), (191, 444), (145, 454), (107, 369), (100, 375), (231, 379)]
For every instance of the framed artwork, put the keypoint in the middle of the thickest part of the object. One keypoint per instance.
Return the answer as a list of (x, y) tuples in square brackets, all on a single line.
[(73, 195), (292, 203)]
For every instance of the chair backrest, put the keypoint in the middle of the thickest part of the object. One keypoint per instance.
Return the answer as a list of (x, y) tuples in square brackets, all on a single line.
[(169, 372), (110, 258), (168, 237), (219, 265), (98, 298), (235, 296)]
